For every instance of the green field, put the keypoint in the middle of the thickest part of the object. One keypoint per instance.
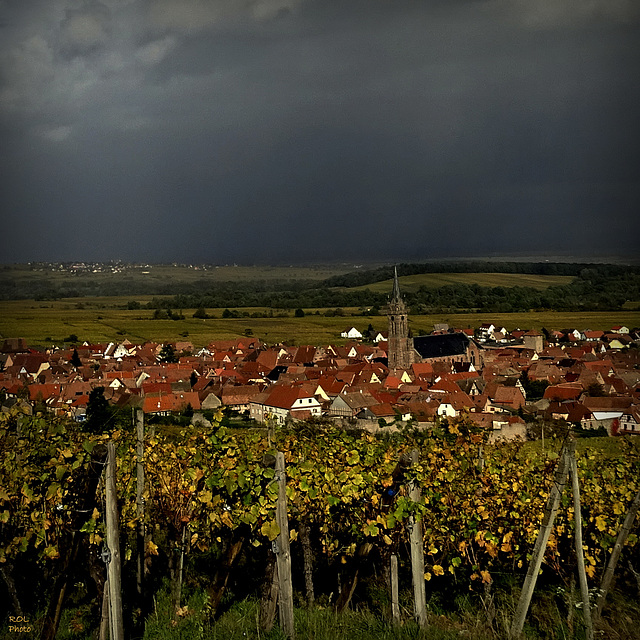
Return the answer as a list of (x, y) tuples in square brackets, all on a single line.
[(412, 283), (157, 276), (105, 319)]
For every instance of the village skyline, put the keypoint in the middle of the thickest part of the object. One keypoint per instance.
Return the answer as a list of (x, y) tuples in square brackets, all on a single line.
[(507, 381)]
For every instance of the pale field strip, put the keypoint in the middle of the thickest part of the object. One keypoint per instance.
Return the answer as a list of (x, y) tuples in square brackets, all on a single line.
[(100, 320), (433, 280)]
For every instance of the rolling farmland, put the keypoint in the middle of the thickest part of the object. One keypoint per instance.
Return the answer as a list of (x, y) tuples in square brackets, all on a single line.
[(412, 283), (86, 300), (107, 319)]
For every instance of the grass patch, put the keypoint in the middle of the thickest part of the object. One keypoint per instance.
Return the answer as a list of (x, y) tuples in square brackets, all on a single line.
[(105, 319), (241, 622), (410, 284), (463, 616)]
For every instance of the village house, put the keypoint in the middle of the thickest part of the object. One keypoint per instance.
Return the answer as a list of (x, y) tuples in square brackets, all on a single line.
[(352, 333), (281, 403), (349, 405), (630, 420)]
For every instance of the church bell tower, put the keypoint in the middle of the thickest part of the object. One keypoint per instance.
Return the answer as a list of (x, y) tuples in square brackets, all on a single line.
[(400, 347)]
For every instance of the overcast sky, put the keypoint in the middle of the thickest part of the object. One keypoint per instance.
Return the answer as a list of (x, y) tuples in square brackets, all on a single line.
[(270, 131)]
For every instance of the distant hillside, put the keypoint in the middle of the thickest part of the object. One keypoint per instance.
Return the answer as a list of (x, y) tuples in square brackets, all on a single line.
[(78, 280), (496, 287), (370, 276), (411, 284)]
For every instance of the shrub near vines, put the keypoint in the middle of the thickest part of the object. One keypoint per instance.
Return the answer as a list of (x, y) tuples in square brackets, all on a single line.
[(477, 520)]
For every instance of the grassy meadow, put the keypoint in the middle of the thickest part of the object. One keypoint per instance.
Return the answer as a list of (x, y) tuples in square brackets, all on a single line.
[(100, 318), (157, 276), (43, 323), (412, 283)]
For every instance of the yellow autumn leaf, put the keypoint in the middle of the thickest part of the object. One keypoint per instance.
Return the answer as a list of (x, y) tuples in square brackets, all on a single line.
[(427, 576), (438, 570), (152, 548), (600, 523), (225, 518), (51, 553), (486, 577), (270, 530)]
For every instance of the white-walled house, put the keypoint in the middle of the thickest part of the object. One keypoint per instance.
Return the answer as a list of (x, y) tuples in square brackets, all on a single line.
[(352, 333), (283, 402)]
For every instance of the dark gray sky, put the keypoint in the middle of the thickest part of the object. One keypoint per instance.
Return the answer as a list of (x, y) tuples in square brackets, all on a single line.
[(306, 130)]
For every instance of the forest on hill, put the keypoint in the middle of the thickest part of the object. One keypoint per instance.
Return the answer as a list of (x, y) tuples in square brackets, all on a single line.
[(596, 287)]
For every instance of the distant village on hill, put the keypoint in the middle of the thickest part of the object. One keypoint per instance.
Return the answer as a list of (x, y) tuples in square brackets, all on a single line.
[(507, 382)]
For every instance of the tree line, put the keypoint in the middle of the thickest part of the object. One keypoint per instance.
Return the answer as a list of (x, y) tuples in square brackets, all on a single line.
[(593, 289), (597, 287)]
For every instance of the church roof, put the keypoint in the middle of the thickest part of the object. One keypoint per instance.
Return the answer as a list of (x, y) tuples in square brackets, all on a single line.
[(439, 346)]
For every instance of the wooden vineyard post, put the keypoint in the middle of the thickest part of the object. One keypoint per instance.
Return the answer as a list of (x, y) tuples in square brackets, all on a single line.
[(116, 626), (607, 578), (553, 502), (577, 514), (395, 605), (307, 558), (269, 594), (417, 553), (140, 504), (176, 582), (283, 552), (103, 634)]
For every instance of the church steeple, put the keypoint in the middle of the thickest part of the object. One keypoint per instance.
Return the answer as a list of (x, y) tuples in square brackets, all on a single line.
[(400, 346), (395, 296)]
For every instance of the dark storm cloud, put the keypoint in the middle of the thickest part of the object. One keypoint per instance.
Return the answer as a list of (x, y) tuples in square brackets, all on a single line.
[(278, 130), (85, 30)]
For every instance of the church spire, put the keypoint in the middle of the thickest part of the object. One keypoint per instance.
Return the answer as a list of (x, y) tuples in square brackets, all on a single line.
[(400, 344), (395, 296)]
